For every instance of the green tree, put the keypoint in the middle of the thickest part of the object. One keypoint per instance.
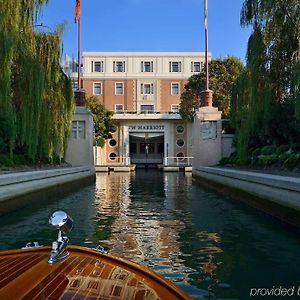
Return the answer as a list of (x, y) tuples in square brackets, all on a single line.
[(223, 73), (104, 125), (265, 102), (36, 99)]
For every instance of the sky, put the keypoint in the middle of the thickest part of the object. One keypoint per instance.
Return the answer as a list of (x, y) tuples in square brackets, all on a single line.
[(150, 25)]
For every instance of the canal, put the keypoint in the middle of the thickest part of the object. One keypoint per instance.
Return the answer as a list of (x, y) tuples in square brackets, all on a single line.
[(210, 245)]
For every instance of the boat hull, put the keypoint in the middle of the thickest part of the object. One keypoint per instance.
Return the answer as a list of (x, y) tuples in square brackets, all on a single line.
[(84, 274)]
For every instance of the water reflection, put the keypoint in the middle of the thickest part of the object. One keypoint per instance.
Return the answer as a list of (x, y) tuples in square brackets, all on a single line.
[(211, 246)]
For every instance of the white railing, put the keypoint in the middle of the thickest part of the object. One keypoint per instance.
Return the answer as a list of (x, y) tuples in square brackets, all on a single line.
[(119, 160), (150, 158), (177, 161)]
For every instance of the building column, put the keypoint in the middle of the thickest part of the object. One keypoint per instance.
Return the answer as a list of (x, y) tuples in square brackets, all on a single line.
[(125, 148), (167, 142)]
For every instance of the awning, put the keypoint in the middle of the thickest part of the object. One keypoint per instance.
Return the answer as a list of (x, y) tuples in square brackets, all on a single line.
[(146, 135)]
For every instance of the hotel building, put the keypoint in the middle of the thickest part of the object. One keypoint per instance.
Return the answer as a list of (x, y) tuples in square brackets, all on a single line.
[(143, 90)]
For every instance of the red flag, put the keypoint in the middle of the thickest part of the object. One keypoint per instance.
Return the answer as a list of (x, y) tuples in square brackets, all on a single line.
[(77, 11)]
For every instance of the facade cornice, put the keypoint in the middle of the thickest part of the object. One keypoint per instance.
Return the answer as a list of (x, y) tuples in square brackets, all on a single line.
[(128, 77), (144, 54), (146, 116)]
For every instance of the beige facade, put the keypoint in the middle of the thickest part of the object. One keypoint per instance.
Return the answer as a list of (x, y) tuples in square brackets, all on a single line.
[(143, 89), (80, 144)]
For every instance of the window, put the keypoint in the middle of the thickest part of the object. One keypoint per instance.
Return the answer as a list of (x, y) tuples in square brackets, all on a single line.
[(75, 86), (97, 89), (119, 66), (147, 148), (175, 108), (147, 66), (147, 108), (147, 88), (174, 88), (180, 143), (180, 156), (119, 88), (78, 130), (179, 129), (196, 66), (175, 66), (97, 66), (112, 143), (112, 156), (119, 108)]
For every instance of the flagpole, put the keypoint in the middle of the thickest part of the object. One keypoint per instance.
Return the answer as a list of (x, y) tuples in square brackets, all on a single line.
[(79, 93), (79, 55), (206, 46), (206, 95)]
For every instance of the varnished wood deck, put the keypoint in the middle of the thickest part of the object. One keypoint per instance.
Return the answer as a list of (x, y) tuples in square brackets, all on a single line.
[(85, 274)]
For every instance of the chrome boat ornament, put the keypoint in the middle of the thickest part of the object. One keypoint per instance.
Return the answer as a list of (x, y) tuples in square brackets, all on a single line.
[(64, 223)]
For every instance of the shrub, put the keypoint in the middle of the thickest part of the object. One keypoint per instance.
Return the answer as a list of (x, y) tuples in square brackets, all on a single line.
[(295, 147), (291, 162), (250, 151), (282, 149), (57, 160), (254, 160), (244, 162), (20, 159), (268, 150), (268, 160), (256, 152), (3, 145), (5, 160), (224, 161), (233, 158), (282, 158)]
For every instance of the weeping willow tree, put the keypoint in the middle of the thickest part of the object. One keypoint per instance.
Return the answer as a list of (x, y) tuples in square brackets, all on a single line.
[(296, 87), (57, 105), (265, 101), (36, 100)]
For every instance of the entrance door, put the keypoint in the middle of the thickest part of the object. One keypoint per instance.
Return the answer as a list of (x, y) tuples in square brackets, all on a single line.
[(148, 150)]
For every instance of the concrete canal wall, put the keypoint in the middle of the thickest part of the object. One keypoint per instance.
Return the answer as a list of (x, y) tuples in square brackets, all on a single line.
[(19, 189), (274, 194)]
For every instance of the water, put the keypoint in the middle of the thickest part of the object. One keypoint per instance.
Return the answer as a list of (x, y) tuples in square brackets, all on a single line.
[(210, 245)]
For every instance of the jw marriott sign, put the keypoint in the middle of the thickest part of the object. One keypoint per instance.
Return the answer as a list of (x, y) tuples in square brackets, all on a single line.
[(146, 127)]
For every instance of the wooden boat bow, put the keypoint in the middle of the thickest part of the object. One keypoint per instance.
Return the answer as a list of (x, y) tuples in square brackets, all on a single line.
[(84, 274), (71, 272)]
